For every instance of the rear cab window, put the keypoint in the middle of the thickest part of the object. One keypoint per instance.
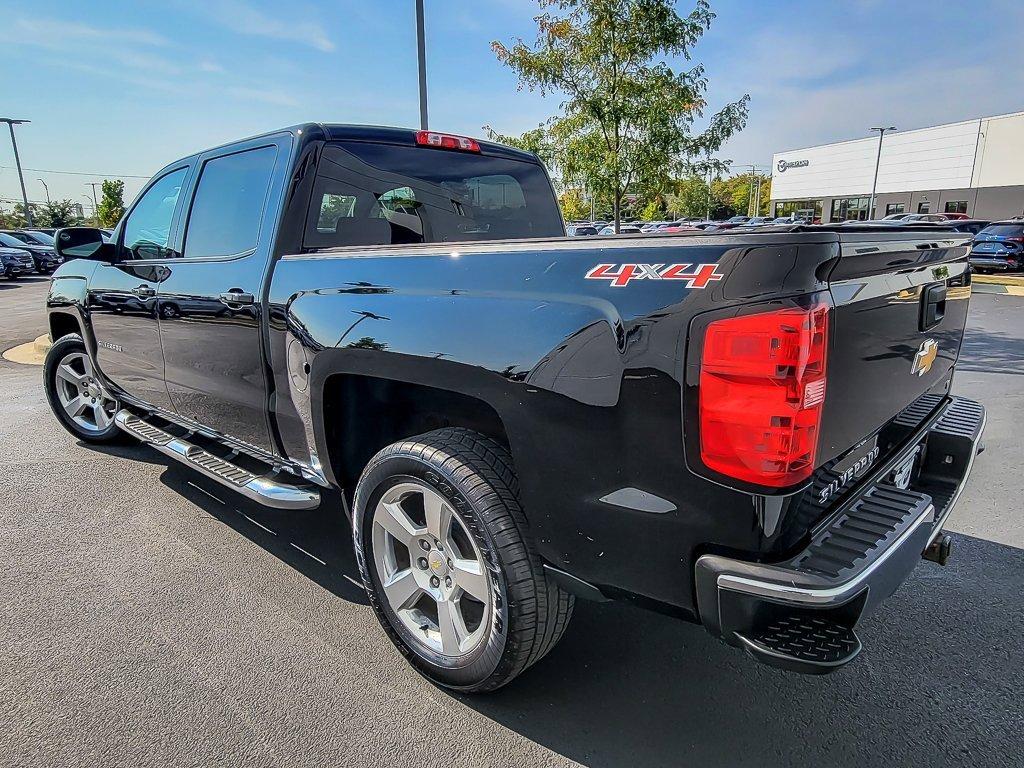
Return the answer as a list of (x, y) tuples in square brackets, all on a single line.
[(378, 194)]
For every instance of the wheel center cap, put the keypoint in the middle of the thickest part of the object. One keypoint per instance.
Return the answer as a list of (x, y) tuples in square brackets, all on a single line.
[(437, 564)]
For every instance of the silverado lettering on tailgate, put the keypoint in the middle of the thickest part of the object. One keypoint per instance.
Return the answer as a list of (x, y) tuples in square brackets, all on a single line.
[(695, 275)]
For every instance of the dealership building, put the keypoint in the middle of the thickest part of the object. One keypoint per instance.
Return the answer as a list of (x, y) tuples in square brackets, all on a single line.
[(974, 167)]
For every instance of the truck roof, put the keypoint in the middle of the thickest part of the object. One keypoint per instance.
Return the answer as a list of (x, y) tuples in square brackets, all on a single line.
[(373, 133)]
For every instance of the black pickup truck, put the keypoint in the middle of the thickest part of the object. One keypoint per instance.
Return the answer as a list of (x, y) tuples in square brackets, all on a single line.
[(752, 430)]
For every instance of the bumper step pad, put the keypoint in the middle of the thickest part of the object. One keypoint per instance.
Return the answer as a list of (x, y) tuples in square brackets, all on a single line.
[(799, 614), (807, 644)]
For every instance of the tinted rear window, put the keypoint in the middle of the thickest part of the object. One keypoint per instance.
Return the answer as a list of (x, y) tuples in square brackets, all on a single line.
[(368, 194), (1004, 230)]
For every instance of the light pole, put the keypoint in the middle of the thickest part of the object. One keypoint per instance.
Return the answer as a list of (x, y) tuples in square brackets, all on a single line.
[(95, 207), (421, 48), (88, 200), (11, 122), (878, 159), (47, 190)]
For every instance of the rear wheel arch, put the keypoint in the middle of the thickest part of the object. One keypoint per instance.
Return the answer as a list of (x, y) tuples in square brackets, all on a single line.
[(362, 414)]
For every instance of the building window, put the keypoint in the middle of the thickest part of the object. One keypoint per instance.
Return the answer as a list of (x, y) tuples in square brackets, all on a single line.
[(894, 208), (924, 207), (956, 206), (850, 209), (801, 209)]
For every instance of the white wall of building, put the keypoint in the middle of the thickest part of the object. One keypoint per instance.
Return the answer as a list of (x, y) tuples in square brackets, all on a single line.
[(1000, 160), (987, 152)]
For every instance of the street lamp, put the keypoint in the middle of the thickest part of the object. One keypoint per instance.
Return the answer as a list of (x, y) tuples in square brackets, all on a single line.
[(11, 122), (421, 51), (878, 159), (47, 190)]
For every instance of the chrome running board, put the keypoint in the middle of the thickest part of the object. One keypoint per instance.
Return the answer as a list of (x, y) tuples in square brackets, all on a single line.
[(266, 489)]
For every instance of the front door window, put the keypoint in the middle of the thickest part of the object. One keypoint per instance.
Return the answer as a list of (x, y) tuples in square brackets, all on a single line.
[(147, 230)]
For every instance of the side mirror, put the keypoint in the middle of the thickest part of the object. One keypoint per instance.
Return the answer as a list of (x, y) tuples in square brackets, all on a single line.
[(83, 243)]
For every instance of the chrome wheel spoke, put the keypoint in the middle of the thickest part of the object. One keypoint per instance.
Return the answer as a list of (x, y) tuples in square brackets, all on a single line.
[(452, 627), (439, 517), (66, 373), (76, 406), (401, 589), (470, 575), (396, 522), (101, 416)]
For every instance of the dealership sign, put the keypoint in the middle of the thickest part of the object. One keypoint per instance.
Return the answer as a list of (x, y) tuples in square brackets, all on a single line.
[(784, 164)]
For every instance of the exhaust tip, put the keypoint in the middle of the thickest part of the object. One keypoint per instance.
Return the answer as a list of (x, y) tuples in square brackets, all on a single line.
[(940, 549)]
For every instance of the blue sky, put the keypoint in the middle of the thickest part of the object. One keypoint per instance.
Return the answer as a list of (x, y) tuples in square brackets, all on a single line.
[(116, 87)]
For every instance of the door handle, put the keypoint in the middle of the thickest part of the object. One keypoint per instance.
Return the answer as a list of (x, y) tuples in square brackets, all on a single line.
[(237, 297), (933, 305), (144, 292)]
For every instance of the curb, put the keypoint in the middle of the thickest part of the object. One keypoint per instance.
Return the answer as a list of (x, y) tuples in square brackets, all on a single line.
[(1009, 280), (30, 353)]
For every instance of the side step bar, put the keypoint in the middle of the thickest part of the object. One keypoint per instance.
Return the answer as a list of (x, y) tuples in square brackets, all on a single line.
[(265, 489)]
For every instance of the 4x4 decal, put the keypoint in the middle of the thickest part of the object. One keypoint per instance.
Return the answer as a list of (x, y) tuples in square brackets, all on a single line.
[(696, 275)]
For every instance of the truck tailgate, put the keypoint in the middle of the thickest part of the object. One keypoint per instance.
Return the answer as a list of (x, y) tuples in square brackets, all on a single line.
[(901, 303)]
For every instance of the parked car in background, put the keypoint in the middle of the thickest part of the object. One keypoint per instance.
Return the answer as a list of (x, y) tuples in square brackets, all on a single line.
[(999, 247), (44, 258), (971, 226), (15, 262), (624, 229), (758, 221), (33, 236), (581, 230), (737, 220), (935, 218), (894, 217)]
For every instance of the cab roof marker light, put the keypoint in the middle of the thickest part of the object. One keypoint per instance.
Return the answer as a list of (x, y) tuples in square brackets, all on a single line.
[(446, 141)]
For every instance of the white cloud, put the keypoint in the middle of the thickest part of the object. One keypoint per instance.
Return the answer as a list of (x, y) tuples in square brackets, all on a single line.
[(58, 32), (244, 19)]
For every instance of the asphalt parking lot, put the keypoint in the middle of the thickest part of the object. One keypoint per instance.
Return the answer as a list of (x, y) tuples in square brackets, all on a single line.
[(150, 617)]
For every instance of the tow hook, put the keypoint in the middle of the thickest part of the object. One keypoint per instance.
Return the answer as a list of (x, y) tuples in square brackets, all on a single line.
[(940, 548)]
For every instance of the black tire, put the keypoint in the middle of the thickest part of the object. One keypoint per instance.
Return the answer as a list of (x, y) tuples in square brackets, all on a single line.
[(61, 348), (474, 473)]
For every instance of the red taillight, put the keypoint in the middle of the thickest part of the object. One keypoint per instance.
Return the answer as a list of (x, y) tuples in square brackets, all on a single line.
[(762, 387), (446, 141)]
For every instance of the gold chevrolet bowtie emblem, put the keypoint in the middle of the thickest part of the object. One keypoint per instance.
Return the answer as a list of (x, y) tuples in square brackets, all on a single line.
[(925, 357)]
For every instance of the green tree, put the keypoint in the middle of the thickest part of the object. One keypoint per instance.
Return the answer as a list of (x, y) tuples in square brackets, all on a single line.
[(690, 198), (111, 207), (628, 116), (738, 193), (574, 206), (57, 213), (14, 219)]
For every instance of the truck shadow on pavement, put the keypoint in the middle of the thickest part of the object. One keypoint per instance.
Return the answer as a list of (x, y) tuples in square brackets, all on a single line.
[(991, 352), (21, 282), (316, 543), (938, 683)]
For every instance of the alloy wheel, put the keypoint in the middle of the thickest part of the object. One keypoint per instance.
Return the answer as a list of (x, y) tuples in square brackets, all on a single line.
[(81, 395), (431, 570)]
